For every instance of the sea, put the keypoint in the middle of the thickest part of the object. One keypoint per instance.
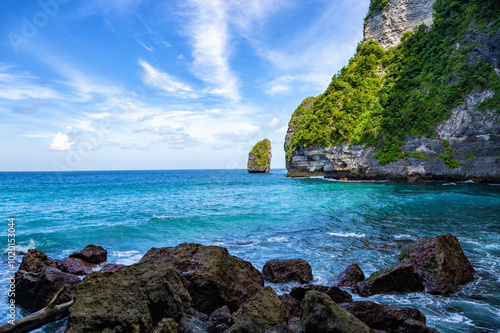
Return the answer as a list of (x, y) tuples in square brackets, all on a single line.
[(259, 217)]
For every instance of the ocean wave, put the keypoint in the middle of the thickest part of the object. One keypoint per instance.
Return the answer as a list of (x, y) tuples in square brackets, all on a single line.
[(447, 184), (346, 234), (127, 257), (161, 217), (405, 236), (22, 249), (278, 239)]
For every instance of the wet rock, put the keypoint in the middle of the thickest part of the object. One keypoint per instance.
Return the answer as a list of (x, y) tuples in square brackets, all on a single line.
[(263, 311), (291, 305), (200, 315), (437, 265), (75, 266), (320, 314), (166, 325), (111, 267), (34, 261), (91, 253), (350, 276), (132, 299), (259, 158), (218, 321), (282, 271), (387, 318), (214, 277), (35, 291), (398, 278), (191, 324), (336, 294)]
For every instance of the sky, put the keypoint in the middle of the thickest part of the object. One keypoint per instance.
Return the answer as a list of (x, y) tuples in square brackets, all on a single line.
[(153, 85)]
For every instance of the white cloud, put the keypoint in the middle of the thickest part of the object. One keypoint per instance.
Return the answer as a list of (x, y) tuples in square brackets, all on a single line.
[(163, 81), (61, 142), (23, 86), (149, 48)]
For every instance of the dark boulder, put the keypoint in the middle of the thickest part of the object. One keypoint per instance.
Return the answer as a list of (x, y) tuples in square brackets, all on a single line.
[(35, 260), (132, 299), (386, 317), (350, 276), (261, 312), (111, 267), (320, 314), (35, 291), (291, 305), (214, 277), (166, 325), (218, 321), (336, 294), (437, 265), (282, 271), (191, 324), (91, 253), (75, 266)]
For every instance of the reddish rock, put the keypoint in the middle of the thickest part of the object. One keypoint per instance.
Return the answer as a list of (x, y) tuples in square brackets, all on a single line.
[(34, 261), (282, 271), (214, 277), (350, 276), (336, 294), (76, 266), (91, 253), (218, 321), (388, 318)]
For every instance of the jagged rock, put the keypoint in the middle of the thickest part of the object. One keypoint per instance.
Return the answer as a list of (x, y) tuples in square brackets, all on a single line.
[(75, 266), (387, 318), (91, 253), (259, 158), (437, 265), (111, 267), (200, 315), (398, 16), (166, 325), (214, 277), (291, 305), (350, 276), (34, 291), (263, 311), (282, 271), (191, 324), (218, 321), (320, 314), (336, 294), (400, 278), (34, 261), (132, 299)]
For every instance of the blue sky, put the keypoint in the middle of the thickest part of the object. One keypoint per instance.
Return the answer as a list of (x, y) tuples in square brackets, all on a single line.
[(137, 84)]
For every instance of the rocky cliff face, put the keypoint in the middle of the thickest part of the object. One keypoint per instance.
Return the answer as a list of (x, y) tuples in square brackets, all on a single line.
[(398, 16), (474, 141), (259, 158)]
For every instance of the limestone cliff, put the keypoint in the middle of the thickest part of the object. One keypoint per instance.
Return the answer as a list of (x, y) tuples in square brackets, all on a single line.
[(387, 26), (259, 158), (344, 132)]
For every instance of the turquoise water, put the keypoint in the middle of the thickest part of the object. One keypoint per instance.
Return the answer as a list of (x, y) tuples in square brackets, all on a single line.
[(259, 217)]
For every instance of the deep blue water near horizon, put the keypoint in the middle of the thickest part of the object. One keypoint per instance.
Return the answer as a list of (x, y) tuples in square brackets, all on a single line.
[(259, 217)]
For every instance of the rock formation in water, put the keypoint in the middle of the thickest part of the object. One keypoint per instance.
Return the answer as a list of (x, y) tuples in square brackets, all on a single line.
[(259, 158), (404, 109)]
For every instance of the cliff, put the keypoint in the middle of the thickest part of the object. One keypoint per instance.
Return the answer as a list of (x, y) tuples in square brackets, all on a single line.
[(259, 158), (421, 105)]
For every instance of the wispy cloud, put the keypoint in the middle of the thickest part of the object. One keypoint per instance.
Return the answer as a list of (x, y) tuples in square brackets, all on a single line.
[(29, 109), (176, 138), (158, 79), (19, 86)]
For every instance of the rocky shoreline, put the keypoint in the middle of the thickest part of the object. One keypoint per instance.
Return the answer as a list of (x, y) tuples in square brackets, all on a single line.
[(197, 288)]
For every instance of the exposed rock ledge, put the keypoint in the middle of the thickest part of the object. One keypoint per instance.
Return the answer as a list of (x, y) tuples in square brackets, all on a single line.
[(474, 134), (399, 16)]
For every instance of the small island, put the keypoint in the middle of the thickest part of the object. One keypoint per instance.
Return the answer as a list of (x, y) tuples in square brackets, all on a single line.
[(259, 158)]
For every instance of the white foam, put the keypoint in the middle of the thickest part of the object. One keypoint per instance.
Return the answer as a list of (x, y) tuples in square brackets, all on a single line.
[(23, 248), (161, 217), (469, 181), (404, 236), (127, 257), (449, 184), (346, 234), (277, 239)]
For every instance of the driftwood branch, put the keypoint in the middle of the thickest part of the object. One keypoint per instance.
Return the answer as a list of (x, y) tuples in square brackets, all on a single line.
[(47, 315)]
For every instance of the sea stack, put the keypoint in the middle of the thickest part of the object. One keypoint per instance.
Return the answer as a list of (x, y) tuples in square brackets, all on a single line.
[(259, 158)]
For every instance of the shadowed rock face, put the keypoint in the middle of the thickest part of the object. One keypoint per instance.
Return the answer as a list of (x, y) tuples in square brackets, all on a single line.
[(34, 261), (92, 254), (350, 276), (214, 277), (336, 294), (131, 299), (282, 271), (467, 130), (437, 265)]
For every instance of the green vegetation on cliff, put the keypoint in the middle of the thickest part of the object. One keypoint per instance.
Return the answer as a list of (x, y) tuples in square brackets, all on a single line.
[(383, 96), (261, 152), (377, 5)]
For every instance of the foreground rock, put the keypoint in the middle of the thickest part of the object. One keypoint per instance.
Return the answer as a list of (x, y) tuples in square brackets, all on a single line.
[(34, 261), (282, 271), (214, 277), (388, 318), (259, 158), (263, 311), (92, 254), (336, 294), (320, 314), (132, 299), (350, 276), (76, 266), (437, 265)]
